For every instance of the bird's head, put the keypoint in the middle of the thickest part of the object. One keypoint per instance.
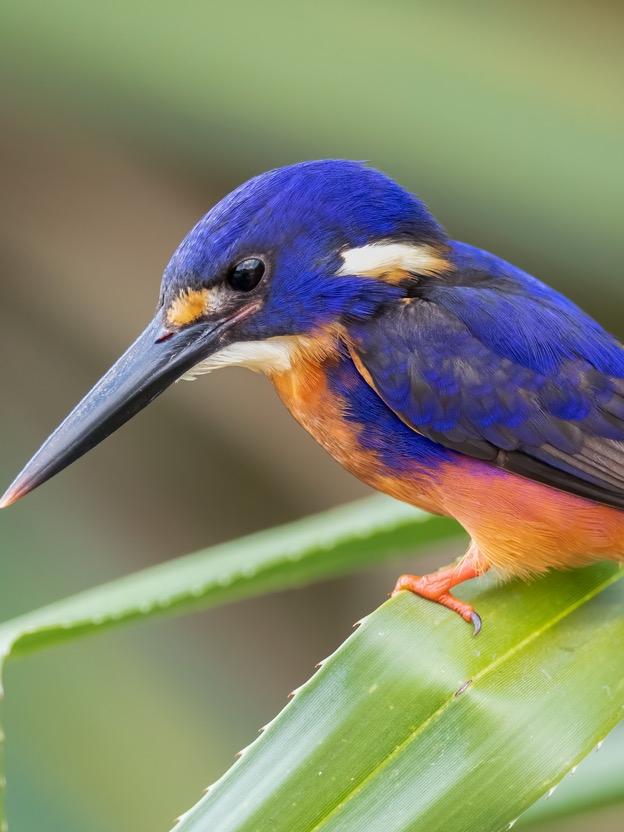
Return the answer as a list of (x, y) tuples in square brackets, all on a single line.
[(284, 256)]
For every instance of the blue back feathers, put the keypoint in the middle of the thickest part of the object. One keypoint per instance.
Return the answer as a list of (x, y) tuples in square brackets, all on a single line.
[(491, 363), (522, 318)]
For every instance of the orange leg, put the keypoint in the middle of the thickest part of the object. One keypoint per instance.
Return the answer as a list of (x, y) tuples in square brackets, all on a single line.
[(437, 587)]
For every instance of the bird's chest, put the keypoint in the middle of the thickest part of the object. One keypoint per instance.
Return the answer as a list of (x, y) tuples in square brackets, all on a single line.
[(308, 395), (338, 408)]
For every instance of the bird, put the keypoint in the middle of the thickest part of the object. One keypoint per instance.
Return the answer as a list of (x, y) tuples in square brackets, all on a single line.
[(432, 370)]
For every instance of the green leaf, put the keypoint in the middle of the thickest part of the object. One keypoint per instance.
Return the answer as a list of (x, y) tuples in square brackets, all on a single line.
[(325, 545), (413, 725), (597, 784), (328, 544)]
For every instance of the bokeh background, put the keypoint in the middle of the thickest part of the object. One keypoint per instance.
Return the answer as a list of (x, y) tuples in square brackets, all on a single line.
[(121, 123)]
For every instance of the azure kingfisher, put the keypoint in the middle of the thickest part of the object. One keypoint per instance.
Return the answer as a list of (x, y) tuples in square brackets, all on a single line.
[(433, 371)]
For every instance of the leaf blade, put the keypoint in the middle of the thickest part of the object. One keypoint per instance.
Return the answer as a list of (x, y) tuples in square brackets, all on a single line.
[(324, 545), (597, 784), (330, 543), (334, 725)]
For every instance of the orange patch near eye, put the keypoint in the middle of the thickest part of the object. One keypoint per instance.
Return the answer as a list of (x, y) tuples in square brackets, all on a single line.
[(188, 307)]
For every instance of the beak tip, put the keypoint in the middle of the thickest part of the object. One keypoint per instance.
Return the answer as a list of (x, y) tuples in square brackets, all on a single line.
[(12, 495)]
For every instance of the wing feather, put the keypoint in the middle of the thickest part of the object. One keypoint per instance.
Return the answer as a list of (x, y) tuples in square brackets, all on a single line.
[(545, 404)]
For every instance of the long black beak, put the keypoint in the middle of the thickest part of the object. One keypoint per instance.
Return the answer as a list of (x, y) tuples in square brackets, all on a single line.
[(155, 360)]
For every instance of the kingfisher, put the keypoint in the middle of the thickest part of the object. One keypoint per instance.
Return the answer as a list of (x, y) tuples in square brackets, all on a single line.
[(433, 371)]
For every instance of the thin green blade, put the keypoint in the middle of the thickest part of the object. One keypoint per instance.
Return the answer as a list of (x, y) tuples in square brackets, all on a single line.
[(331, 543), (414, 726)]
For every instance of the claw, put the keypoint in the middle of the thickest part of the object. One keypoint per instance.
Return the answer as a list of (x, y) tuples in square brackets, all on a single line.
[(436, 587), (476, 623)]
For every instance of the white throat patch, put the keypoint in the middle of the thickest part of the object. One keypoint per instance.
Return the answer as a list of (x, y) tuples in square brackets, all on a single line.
[(271, 355), (376, 259)]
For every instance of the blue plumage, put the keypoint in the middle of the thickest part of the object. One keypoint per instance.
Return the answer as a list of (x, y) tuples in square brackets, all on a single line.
[(522, 318), (492, 363), (379, 428)]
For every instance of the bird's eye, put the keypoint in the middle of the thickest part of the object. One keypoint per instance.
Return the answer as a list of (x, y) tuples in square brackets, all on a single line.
[(245, 276)]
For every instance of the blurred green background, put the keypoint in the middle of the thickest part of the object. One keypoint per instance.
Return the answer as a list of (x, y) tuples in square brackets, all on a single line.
[(123, 122)]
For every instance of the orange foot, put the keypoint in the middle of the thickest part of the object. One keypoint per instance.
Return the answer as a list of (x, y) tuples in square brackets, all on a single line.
[(437, 587)]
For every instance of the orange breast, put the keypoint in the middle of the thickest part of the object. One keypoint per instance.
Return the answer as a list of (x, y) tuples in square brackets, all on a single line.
[(320, 411), (522, 527)]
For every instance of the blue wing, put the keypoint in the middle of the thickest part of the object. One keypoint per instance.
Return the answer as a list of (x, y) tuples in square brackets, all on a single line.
[(494, 364)]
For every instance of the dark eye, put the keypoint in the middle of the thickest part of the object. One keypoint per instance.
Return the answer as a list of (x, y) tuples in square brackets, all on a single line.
[(245, 276)]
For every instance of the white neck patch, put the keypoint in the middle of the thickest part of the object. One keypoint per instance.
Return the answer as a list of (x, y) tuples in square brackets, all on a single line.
[(376, 259), (271, 355)]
